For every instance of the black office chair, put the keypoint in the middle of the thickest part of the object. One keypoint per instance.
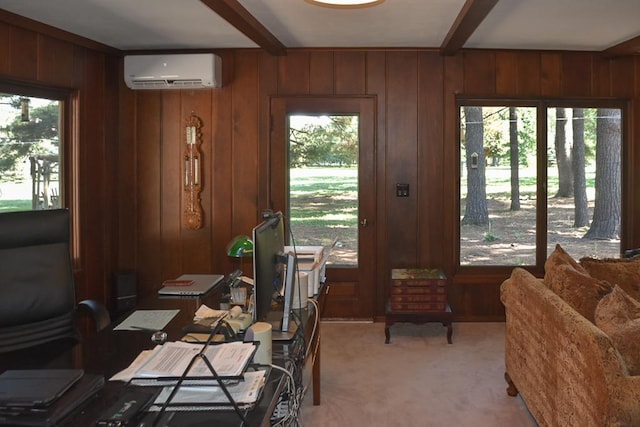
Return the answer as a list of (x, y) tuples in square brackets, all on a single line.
[(37, 292)]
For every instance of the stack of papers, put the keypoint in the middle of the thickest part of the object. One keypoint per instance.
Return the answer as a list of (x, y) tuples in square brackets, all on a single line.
[(166, 363), (194, 398)]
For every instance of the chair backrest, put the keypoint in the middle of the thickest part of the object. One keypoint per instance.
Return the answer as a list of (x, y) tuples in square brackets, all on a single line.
[(37, 293)]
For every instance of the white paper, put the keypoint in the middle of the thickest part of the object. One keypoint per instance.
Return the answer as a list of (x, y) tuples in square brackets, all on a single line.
[(152, 320), (243, 392), (172, 359), (128, 373)]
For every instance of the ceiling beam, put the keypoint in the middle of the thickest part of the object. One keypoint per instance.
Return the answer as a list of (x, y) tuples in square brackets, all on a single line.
[(235, 14), (628, 47), (472, 14)]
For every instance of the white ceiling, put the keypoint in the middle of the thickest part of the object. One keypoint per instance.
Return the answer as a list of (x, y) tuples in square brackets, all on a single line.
[(189, 24)]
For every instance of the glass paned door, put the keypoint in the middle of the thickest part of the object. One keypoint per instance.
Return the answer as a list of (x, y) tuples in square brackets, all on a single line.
[(323, 184)]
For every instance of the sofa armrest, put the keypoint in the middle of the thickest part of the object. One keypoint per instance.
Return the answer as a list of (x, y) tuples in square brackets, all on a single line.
[(98, 312)]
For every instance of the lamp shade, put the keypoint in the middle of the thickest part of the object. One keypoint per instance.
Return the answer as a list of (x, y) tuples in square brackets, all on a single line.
[(240, 246)]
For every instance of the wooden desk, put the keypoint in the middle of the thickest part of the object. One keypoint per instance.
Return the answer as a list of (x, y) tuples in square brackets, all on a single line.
[(109, 351)]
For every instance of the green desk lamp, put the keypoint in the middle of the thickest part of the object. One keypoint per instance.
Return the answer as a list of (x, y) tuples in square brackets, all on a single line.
[(240, 246)]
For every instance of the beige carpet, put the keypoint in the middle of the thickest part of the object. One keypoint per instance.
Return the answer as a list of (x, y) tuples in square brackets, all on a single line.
[(416, 380)]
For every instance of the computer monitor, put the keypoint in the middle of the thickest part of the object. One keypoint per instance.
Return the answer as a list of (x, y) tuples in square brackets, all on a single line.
[(272, 288)]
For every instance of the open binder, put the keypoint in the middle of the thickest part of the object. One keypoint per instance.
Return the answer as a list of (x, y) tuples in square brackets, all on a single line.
[(201, 388)]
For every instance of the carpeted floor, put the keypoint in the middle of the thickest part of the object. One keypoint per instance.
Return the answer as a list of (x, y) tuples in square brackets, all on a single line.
[(416, 380)]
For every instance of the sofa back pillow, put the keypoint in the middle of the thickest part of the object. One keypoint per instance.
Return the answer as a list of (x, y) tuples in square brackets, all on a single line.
[(624, 272), (581, 291), (557, 258), (618, 316)]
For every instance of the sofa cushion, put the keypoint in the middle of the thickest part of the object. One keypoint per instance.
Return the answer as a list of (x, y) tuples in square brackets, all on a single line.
[(581, 291), (624, 272), (557, 258), (618, 315)]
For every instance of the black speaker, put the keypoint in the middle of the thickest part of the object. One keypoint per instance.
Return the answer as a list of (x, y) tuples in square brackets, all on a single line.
[(126, 290)]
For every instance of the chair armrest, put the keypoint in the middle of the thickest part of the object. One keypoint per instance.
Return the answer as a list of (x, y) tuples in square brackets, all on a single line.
[(98, 311)]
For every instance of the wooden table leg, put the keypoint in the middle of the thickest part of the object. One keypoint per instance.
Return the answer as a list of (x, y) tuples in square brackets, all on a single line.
[(387, 332)]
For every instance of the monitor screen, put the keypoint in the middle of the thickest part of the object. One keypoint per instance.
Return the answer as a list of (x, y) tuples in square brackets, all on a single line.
[(268, 269)]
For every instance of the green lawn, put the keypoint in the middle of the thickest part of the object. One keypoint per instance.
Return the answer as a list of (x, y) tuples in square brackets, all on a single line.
[(14, 205), (324, 206)]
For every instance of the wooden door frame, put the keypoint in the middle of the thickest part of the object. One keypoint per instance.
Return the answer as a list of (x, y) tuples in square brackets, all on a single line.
[(353, 291)]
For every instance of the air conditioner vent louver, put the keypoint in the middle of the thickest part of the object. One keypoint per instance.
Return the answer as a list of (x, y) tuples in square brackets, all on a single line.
[(188, 71), (167, 84)]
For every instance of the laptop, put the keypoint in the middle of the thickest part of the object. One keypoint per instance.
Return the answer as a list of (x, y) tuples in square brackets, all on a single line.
[(79, 393), (35, 388), (191, 285)]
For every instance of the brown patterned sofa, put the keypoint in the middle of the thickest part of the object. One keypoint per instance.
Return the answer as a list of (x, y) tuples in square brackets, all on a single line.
[(566, 369)]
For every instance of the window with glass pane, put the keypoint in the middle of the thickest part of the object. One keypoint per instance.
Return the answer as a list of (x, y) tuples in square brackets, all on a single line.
[(584, 181), (323, 184), (501, 196), (30, 154), (497, 185)]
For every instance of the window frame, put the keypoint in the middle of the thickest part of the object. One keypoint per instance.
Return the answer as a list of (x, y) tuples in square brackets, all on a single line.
[(69, 146), (542, 105)]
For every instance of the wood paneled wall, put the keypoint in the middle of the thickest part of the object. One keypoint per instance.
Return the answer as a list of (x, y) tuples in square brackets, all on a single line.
[(416, 143), (131, 144)]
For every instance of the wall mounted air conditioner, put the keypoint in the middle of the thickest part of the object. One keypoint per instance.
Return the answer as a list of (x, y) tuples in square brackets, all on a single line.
[(181, 71)]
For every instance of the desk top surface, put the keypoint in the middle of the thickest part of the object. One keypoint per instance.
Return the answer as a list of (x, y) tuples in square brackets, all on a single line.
[(109, 351)]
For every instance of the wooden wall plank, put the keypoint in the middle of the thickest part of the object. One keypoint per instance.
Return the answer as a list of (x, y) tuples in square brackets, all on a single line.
[(220, 144), (602, 77), (430, 154), (93, 152), (506, 73), (293, 73), (350, 72), (126, 179), (55, 64), (376, 78), (171, 148), (479, 73), (453, 85), (576, 74), (268, 87), (23, 53), (551, 66), (402, 150), (529, 82), (321, 72), (623, 77), (245, 140), (148, 189)]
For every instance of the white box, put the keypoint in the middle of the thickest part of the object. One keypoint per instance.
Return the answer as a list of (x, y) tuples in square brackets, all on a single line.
[(312, 260)]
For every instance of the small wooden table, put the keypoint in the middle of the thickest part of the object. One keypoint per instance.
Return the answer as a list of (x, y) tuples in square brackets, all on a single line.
[(418, 296)]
